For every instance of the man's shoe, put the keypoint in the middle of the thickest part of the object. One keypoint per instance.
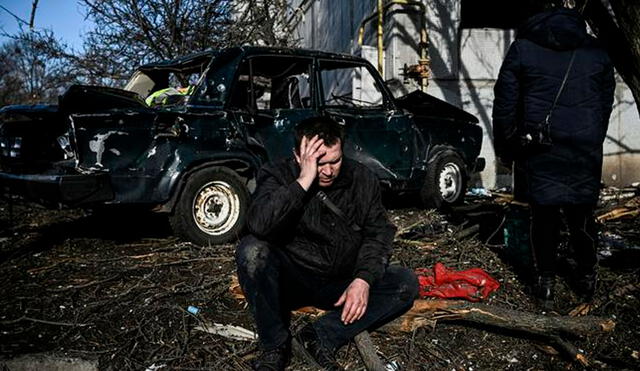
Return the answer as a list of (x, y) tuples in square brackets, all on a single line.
[(544, 291), (273, 360), (314, 351)]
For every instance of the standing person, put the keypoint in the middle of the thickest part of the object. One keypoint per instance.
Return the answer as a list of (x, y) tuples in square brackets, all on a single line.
[(564, 177), (304, 251)]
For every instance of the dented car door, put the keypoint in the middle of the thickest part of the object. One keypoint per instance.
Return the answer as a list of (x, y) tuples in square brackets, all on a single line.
[(378, 135)]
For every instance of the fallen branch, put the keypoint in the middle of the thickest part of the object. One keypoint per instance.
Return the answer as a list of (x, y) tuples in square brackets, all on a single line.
[(186, 261), (368, 352), (365, 347), (501, 317), (617, 214), (507, 198), (417, 243), (570, 351), (24, 318), (89, 284), (467, 232)]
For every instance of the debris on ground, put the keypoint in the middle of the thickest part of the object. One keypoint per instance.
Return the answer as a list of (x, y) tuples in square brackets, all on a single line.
[(115, 291)]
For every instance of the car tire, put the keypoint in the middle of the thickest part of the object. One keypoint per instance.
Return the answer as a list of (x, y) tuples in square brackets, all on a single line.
[(212, 207), (446, 180)]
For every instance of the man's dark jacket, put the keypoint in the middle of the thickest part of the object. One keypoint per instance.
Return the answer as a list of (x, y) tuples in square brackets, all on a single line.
[(313, 236), (531, 74)]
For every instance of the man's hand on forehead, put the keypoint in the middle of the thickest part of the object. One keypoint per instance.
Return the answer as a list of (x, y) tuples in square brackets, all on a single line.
[(311, 149)]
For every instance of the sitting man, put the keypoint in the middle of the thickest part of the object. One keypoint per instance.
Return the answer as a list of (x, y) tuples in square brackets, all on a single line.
[(305, 251)]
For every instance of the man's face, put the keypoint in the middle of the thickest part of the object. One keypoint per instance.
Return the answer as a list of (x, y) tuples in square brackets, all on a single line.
[(329, 164)]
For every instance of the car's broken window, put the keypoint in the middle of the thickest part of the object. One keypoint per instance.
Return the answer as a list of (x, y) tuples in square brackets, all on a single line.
[(348, 85), (167, 86), (273, 82)]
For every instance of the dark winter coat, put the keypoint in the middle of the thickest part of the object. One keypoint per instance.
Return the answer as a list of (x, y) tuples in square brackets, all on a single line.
[(313, 236), (530, 77)]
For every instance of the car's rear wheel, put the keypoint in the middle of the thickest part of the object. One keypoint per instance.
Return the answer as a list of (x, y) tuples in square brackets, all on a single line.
[(445, 181), (212, 207)]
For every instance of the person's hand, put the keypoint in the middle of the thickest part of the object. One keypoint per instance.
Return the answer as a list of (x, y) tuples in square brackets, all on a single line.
[(355, 299), (307, 158)]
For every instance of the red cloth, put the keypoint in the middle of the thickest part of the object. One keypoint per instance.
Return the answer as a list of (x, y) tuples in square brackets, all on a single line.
[(472, 284)]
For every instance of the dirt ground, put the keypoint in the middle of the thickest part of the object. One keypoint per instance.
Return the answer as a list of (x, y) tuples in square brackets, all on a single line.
[(115, 288)]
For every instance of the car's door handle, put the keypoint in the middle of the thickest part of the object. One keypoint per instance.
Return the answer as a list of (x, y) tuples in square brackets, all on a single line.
[(339, 120), (167, 131)]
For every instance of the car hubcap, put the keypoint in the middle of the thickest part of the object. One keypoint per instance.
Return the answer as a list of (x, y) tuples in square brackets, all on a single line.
[(450, 181), (216, 208)]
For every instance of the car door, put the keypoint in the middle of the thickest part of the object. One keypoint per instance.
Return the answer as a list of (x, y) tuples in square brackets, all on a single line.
[(270, 95), (378, 135)]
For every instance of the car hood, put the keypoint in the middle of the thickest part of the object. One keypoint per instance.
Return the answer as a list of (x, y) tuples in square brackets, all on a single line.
[(427, 106), (28, 113), (79, 99), (29, 109)]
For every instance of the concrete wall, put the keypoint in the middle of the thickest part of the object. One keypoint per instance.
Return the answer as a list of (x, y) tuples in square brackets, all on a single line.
[(464, 64)]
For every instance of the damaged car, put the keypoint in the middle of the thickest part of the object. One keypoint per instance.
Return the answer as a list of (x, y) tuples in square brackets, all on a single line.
[(186, 137)]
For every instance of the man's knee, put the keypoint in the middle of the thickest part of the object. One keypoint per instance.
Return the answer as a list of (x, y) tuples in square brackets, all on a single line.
[(406, 282), (253, 256)]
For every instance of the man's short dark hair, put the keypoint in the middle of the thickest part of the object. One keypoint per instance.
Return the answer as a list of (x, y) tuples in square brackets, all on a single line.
[(325, 127)]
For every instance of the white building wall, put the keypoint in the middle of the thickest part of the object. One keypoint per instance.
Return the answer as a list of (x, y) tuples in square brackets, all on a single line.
[(464, 63), (622, 147)]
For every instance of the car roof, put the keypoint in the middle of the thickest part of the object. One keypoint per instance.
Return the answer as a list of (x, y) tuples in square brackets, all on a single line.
[(200, 57)]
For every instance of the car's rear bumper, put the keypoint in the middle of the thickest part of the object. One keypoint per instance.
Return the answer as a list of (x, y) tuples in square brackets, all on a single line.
[(66, 189)]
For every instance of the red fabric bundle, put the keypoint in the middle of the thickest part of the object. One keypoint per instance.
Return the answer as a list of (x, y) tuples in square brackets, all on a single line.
[(472, 284)]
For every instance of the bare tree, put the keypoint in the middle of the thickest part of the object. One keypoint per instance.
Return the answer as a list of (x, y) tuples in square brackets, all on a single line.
[(617, 24), (130, 32), (28, 74), (262, 22)]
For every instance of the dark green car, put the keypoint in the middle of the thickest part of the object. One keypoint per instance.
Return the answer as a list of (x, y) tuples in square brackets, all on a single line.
[(186, 137)]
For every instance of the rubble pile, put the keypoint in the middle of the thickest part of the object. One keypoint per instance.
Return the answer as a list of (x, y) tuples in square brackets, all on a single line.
[(124, 292)]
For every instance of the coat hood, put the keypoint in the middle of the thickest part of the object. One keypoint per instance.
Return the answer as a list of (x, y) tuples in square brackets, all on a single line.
[(558, 29)]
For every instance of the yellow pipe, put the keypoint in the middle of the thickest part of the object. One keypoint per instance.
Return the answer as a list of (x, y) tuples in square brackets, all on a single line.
[(381, 11), (380, 38)]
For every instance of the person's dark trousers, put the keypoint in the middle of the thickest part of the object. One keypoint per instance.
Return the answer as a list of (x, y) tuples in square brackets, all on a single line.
[(273, 286), (546, 224)]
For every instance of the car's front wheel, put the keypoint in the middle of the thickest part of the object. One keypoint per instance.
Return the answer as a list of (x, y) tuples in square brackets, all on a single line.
[(445, 181), (212, 207)]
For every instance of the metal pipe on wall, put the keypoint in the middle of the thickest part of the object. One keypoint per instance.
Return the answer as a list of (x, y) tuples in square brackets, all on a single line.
[(422, 68), (380, 38)]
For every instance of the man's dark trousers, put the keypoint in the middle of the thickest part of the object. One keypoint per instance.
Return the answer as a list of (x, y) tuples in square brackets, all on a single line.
[(546, 223), (273, 286)]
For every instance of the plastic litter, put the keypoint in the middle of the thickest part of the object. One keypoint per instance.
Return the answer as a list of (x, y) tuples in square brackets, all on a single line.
[(472, 284), (392, 366), (155, 367), (479, 192), (193, 310), (228, 331)]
